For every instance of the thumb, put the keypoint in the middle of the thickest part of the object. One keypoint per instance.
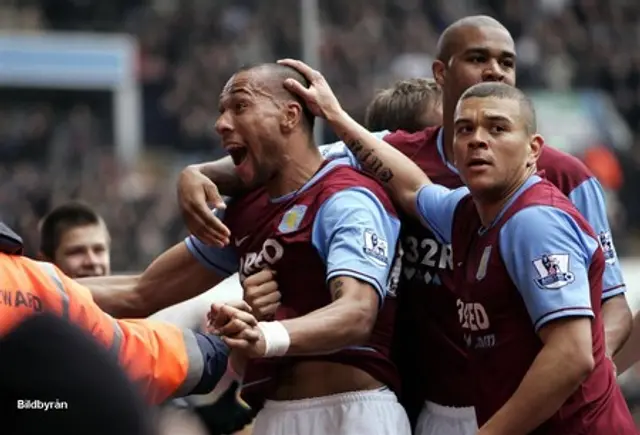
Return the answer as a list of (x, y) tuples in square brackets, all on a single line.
[(213, 197)]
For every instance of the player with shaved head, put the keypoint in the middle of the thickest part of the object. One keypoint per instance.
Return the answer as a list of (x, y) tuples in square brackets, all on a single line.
[(328, 233)]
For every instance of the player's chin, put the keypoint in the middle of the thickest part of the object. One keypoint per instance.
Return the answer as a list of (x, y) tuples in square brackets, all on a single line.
[(478, 183)]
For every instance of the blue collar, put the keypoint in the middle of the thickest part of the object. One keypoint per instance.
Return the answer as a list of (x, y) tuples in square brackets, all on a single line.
[(440, 146)]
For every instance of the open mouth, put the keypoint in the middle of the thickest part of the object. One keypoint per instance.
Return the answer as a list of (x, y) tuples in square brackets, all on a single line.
[(237, 152)]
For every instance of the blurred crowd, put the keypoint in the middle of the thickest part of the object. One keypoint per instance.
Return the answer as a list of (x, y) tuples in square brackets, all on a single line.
[(58, 145)]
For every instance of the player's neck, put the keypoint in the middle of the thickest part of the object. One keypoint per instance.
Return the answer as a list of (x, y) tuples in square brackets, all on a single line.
[(490, 207), (298, 166)]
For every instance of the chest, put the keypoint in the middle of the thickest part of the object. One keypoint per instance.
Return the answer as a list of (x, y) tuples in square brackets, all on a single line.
[(276, 236), (489, 307)]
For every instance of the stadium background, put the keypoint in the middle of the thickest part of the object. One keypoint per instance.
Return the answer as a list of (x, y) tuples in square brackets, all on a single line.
[(107, 101)]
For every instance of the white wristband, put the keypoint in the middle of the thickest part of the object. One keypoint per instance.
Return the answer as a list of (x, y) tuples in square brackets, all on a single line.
[(276, 338)]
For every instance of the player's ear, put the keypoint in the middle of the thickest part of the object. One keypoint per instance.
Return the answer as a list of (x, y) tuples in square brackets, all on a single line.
[(291, 117), (439, 70), (536, 143)]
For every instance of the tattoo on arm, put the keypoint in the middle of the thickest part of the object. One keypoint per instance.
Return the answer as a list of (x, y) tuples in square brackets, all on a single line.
[(336, 288), (369, 160)]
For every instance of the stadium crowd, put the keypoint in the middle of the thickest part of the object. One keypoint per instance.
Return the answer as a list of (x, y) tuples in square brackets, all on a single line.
[(188, 49)]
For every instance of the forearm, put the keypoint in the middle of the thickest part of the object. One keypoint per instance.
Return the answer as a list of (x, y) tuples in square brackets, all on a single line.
[(630, 352), (554, 375), (175, 276), (222, 173), (618, 321), (388, 165), (113, 294), (330, 328)]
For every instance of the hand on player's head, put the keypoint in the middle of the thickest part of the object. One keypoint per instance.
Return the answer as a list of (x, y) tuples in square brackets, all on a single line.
[(196, 193), (318, 97), (261, 293)]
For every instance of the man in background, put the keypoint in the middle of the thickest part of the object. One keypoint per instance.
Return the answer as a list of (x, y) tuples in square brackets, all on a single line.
[(75, 238)]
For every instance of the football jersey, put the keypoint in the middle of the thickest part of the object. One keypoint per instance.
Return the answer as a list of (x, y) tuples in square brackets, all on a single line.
[(434, 361), (340, 223), (538, 261)]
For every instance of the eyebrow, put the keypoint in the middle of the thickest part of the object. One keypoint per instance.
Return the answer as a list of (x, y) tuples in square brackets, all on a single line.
[(486, 51), (498, 118), (492, 118)]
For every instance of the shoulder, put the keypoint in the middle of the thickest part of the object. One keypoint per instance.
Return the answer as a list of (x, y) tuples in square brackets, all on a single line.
[(410, 142), (563, 170), (350, 182), (537, 215), (355, 198)]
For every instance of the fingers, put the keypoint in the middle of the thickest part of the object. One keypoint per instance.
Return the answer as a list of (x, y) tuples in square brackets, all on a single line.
[(240, 305), (260, 278), (297, 88), (268, 299), (267, 312), (206, 226), (213, 197), (224, 315), (237, 343), (302, 67), (239, 329)]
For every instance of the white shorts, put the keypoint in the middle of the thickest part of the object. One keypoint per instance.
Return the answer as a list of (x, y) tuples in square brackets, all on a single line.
[(436, 419), (375, 412)]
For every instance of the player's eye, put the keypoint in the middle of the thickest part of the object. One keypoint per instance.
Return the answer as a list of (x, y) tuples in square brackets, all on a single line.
[(478, 59), (240, 106), (508, 63), (463, 129), (496, 129)]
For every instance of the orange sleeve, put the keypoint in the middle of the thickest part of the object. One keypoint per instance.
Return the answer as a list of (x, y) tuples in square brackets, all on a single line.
[(162, 359)]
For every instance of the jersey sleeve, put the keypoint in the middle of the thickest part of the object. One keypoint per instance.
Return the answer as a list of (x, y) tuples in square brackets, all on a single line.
[(549, 266), (436, 206), (339, 150), (164, 361), (589, 199), (357, 237), (223, 261)]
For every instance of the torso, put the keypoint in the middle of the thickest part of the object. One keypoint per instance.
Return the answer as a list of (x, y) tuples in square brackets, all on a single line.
[(278, 235)]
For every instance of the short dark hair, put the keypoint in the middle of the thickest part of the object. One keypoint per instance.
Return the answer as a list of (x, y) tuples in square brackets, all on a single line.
[(506, 92), (60, 220), (449, 37), (402, 106), (284, 72)]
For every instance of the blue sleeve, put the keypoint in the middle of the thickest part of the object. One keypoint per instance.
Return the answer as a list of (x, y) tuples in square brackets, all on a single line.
[(357, 237), (338, 150), (588, 198), (215, 354), (550, 266), (436, 205), (223, 261)]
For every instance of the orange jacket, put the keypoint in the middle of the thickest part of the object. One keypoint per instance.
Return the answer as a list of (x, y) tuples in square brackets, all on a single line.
[(164, 360)]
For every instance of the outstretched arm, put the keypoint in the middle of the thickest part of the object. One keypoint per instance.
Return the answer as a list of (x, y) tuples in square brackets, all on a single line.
[(401, 176), (184, 271), (162, 359)]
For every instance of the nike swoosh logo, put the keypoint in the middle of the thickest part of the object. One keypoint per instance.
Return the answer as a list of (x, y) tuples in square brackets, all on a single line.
[(241, 241)]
